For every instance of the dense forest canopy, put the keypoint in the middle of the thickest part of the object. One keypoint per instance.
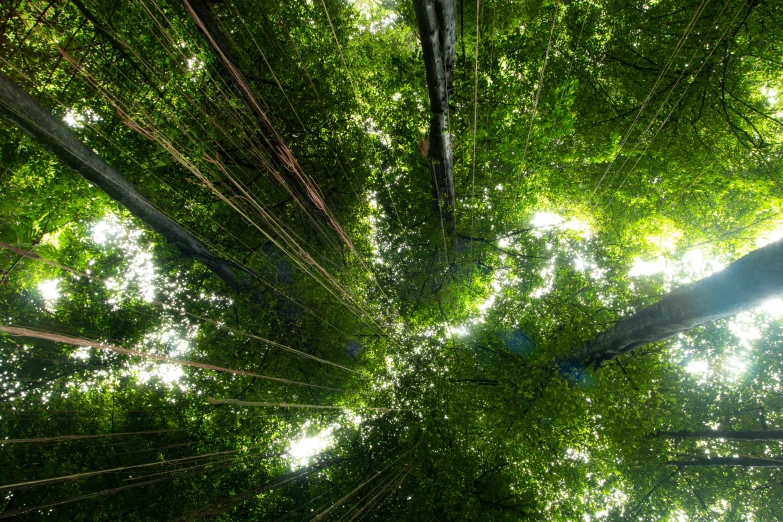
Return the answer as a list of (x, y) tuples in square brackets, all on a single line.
[(391, 260)]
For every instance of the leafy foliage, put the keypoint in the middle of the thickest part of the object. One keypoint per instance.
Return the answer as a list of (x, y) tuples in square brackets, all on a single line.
[(604, 153)]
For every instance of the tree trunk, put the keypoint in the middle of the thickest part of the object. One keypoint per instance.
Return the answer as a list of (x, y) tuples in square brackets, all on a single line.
[(724, 434), (21, 109), (438, 31), (757, 462), (742, 286)]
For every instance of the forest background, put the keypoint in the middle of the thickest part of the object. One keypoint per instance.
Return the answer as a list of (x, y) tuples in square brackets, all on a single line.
[(242, 278)]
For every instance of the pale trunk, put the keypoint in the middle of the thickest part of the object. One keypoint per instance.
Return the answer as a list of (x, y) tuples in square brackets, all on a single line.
[(437, 21), (741, 286)]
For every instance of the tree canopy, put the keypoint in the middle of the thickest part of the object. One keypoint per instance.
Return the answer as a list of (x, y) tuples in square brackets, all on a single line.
[(391, 260)]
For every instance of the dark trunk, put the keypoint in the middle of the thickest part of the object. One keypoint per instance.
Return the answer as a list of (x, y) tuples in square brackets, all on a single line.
[(729, 461), (18, 107), (724, 434), (742, 286), (437, 21)]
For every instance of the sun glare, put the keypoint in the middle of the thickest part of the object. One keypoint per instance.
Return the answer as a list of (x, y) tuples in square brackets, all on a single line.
[(302, 449), (50, 292)]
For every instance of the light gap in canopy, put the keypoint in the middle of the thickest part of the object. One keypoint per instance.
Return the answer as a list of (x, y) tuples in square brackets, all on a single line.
[(166, 306), (380, 168), (238, 499), (78, 341), (359, 104), (326, 116)]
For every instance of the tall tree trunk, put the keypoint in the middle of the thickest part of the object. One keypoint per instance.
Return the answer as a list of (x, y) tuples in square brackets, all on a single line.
[(759, 462), (724, 434), (21, 109), (437, 21), (742, 286)]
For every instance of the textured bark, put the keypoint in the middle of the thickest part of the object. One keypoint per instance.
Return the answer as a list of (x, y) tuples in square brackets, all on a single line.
[(724, 434), (18, 107), (743, 285), (758, 462), (437, 21)]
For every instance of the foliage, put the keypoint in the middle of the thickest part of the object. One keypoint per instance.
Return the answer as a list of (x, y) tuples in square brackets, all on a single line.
[(604, 153)]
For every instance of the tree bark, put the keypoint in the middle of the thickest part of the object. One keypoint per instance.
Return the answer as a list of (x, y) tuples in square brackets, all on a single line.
[(758, 462), (742, 286), (22, 110), (437, 21), (724, 434)]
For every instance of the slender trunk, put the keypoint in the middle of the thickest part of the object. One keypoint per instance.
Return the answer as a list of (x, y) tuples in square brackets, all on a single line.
[(757, 462), (201, 13), (119, 46), (741, 286), (724, 434), (79, 476), (79, 341), (63, 438), (253, 404), (42, 507), (21, 109), (323, 515), (437, 21)]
